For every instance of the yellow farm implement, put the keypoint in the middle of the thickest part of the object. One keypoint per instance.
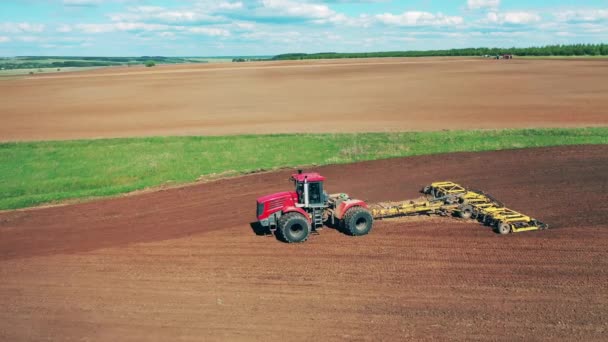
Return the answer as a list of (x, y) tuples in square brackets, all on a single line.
[(451, 199)]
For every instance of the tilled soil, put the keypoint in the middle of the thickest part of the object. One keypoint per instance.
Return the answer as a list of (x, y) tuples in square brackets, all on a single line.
[(186, 264), (394, 94)]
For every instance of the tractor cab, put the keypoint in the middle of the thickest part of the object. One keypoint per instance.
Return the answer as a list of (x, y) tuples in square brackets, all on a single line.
[(309, 189)]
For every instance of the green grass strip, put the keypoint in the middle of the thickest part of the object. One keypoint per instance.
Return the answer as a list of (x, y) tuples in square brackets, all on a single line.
[(34, 173)]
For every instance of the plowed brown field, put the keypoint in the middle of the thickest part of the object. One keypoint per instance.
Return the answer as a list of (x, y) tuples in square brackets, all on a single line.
[(185, 263), (306, 96)]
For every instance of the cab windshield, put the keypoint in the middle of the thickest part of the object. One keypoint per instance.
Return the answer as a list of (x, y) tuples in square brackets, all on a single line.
[(315, 191)]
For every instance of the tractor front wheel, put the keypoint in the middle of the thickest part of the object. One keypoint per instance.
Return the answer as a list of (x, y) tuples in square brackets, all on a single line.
[(293, 228), (357, 221)]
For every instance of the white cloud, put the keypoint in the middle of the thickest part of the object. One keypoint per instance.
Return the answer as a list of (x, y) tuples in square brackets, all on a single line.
[(245, 25), (21, 28), (315, 12), (145, 27), (297, 9), (4, 39), (95, 28), (200, 12), (482, 4), (209, 31), (230, 5), (514, 18), (363, 20), (121, 26), (415, 18), (582, 15), (163, 15)]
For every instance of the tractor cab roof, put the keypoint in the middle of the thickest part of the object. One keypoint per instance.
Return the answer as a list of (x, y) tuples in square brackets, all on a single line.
[(309, 176)]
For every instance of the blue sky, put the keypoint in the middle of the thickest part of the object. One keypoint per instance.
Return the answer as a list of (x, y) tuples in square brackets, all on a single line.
[(267, 27)]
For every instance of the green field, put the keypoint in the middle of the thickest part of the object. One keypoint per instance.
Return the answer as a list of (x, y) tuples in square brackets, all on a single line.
[(41, 62), (13, 67), (48, 63), (34, 173), (22, 72)]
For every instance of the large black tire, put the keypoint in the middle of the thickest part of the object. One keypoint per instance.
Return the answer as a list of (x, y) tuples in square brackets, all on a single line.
[(293, 228), (357, 221)]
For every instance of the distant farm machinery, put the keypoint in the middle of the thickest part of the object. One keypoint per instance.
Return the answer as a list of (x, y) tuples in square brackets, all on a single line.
[(293, 216)]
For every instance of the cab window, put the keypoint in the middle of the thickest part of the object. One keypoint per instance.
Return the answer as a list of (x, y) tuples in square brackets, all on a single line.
[(315, 190)]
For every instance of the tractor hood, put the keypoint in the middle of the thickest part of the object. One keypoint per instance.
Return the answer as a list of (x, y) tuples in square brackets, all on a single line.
[(269, 204), (276, 196)]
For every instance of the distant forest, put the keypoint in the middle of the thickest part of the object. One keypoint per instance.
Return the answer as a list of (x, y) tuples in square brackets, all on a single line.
[(549, 50)]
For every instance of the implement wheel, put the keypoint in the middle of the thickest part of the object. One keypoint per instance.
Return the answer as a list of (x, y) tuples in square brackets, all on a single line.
[(487, 220), (503, 228), (474, 214), (437, 193), (466, 212), (357, 221), (539, 224), (293, 228)]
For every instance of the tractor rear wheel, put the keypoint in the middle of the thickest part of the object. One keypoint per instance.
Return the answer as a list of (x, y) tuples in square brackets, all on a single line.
[(503, 228), (293, 228), (357, 221)]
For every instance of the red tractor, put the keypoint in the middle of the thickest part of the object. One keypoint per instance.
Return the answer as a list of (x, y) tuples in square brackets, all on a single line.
[(292, 216)]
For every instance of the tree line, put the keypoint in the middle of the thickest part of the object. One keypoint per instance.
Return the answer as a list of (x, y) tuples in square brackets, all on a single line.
[(549, 50)]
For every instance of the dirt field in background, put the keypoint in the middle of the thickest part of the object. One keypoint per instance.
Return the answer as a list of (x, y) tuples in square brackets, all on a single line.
[(305, 96), (185, 264)]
